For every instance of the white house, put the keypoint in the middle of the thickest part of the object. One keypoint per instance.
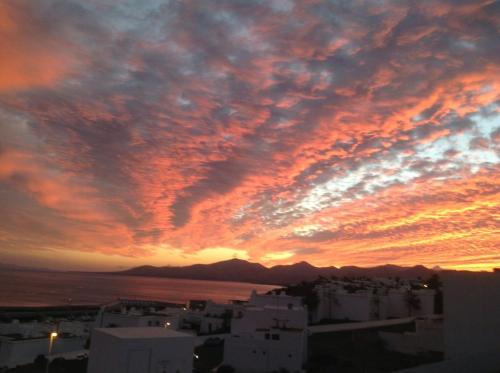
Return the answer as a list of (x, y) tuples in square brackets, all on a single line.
[(270, 334), (267, 350), (140, 350)]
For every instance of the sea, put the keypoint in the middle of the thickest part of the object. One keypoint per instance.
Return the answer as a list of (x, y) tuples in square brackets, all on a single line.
[(33, 288)]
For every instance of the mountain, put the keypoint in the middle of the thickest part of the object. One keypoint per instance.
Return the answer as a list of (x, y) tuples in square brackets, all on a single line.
[(243, 271), (229, 270)]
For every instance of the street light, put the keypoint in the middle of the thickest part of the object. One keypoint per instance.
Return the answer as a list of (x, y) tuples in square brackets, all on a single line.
[(52, 336)]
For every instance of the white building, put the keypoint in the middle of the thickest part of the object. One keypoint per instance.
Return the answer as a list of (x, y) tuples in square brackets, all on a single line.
[(269, 316), (140, 350), (268, 337), (267, 350)]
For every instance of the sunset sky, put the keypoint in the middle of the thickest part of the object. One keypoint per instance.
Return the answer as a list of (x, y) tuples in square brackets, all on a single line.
[(178, 132)]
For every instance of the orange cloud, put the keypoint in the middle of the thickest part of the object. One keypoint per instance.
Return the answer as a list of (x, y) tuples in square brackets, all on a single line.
[(29, 55)]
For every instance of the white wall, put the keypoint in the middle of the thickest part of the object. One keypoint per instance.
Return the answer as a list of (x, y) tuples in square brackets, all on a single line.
[(266, 317), (398, 307), (210, 324), (24, 351), (254, 353), (355, 307), (351, 306)]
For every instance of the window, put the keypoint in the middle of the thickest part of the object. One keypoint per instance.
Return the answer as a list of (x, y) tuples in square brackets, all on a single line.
[(267, 336), (276, 337)]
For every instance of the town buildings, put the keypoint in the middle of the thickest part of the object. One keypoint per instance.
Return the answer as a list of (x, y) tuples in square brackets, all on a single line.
[(372, 299)]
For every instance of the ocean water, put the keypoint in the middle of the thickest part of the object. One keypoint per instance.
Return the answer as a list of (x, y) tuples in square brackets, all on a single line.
[(30, 288)]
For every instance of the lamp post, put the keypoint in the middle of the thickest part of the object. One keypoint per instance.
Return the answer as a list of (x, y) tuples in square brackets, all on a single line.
[(52, 336)]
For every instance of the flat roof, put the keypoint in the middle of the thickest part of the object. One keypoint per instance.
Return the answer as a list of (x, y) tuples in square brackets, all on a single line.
[(143, 332)]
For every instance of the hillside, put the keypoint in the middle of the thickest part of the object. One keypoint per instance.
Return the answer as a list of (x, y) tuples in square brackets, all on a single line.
[(243, 271)]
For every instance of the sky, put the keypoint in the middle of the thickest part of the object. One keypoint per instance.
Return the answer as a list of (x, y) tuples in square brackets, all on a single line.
[(178, 132)]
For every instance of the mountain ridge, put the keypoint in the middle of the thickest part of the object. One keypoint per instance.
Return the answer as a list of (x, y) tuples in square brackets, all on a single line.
[(244, 271)]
